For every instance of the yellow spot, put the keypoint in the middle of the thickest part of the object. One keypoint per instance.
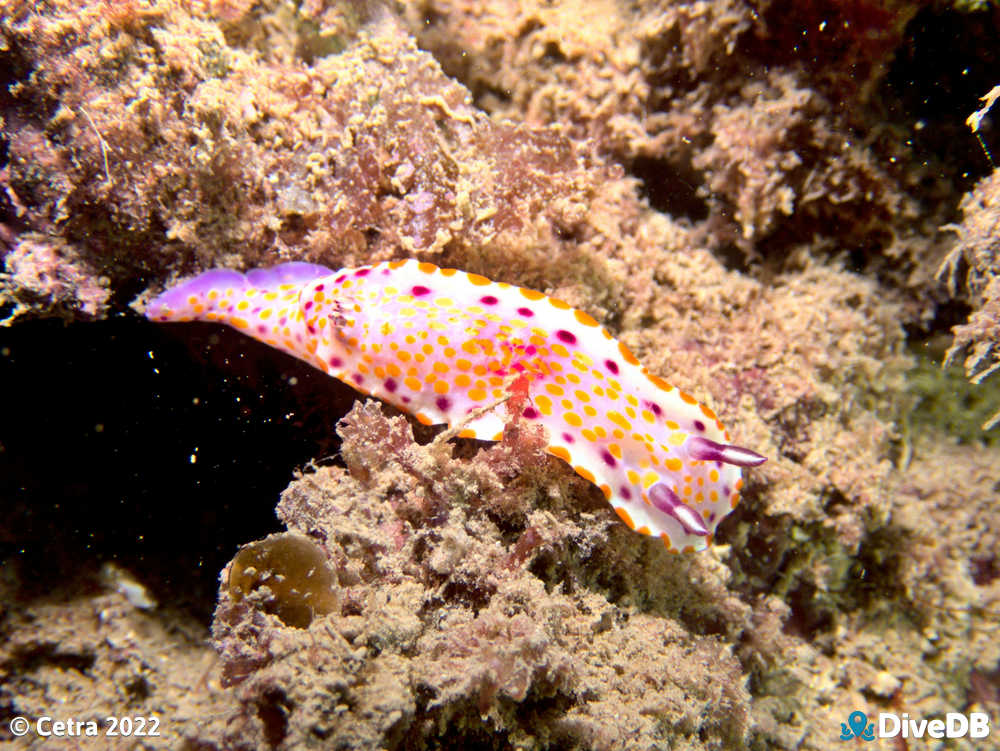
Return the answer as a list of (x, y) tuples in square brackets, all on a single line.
[(567, 403), (674, 465), (589, 435), (554, 389), (560, 350), (648, 416), (477, 395), (544, 404), (573, 419), (633, 477), (631, 413), (560, 452), (582, 395), (601, 432), (677, 438), (623, 515), (618, 419), (589, 411), (242, 305)]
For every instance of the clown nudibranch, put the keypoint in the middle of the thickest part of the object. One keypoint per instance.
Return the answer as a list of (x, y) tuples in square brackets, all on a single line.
[(441, 344)]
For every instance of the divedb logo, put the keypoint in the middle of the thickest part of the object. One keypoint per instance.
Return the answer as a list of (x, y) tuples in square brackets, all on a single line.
[(891, 725)]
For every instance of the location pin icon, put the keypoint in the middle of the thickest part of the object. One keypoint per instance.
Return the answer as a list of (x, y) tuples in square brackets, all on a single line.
[(858, 721)]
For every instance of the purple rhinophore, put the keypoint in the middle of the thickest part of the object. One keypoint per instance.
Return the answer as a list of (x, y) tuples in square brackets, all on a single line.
[(702, 449), (667, 501)]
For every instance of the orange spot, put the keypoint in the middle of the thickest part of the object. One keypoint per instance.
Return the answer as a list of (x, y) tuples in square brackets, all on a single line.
[(666, 541), (396, 264), (707, 412), (441, 387), (554, 389), (393, 369), (629, 357), (674, 465), (560, 452), (573, 419), (498, 436), (555, 302), (479, 281), (688, 549), (403, 355), (471, 347), (560, 350), (440, 367), (462, 364), (739, 484), (531, 294), (606, 489), (201, 309), (659, 382), (713, 476), (734, 500), (449, 272), (427, 268), (241, 323), (633, 477), (477, 395), (644, 530), (585, 319), (462, 380), (423, 419), (615, 450), (585, 473), (466, 433), (687, 397), (623, 515), (412, 383)]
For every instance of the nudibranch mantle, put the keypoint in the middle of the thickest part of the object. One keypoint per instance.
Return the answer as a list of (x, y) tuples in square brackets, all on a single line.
[(441, 343)]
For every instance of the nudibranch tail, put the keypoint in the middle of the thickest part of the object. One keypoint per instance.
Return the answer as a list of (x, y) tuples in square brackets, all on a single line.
[(442, 344)]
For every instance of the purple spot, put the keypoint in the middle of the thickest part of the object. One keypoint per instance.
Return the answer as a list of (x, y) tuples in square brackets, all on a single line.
[(362, 272), (358, 378), (385, 272), (443, 403), (309, 304), (711, 517), (262, 329), (390, 385), (255, 311), (625, 493), (612, 366), (655, 408), (526, 312), (406, 399), (336, 362), (566, 336), (608, 459), (282, 320), (699, 426), (419, 290), (320, 287), (725, 491), (530, 349), (340, 278), (488, 300), (531, 413), (567, 437)]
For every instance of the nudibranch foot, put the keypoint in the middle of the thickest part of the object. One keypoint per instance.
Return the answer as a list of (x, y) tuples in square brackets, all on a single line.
[(445, 345)]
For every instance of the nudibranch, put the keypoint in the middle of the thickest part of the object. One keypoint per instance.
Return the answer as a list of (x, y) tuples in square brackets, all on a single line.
[(442, 344)]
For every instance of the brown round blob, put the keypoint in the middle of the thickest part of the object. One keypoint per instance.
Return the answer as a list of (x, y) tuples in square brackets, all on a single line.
[(300, 583)]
